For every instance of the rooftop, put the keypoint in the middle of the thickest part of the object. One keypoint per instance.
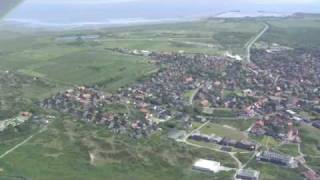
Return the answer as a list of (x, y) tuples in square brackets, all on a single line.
[(248, 173), (207, 165)]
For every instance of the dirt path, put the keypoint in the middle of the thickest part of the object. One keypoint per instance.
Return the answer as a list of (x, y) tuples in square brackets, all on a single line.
[(20, 144)]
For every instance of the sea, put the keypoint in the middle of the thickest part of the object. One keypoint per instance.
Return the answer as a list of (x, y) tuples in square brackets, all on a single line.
[(61, 14)]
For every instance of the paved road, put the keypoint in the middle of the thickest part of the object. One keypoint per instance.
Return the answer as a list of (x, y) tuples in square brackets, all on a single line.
[(254, 41)]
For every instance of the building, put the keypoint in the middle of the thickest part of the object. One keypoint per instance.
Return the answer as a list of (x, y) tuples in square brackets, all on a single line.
[(226, 148), (277, 158), (199, 137), (247, 145), (228, 142), (290, 112), (209, 166), (247, 174), (316, 124)]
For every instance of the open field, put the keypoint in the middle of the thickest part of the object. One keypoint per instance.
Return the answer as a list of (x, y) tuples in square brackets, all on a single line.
[(244, 157), (106, 69), (294, 32), (239, 124), (206, 36), (223, 131), (266, 141), (289, 149), (64, 66), (310, 140), (79, 151)]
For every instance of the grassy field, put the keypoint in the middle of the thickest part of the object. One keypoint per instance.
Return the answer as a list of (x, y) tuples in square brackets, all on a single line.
[(223, 131), (289, 149), (244, 157), (266, 141), (294, 32), (240, 124), (207, 36), (72, 150), (63, 66), (96, 67), (310, 140)]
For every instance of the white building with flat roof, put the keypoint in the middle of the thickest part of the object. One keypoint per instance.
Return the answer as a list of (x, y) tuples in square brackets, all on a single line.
[(209, 166)]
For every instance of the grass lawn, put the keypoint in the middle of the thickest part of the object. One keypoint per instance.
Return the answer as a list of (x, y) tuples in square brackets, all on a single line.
[(310, 140), (187, 95), (266, 141), (223, 131), (244, 157), (289, 149), (240, 124), (314, 162)]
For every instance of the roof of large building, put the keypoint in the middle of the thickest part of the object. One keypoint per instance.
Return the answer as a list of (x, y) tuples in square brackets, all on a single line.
[(207, 165), (275, 156), (248, 173)]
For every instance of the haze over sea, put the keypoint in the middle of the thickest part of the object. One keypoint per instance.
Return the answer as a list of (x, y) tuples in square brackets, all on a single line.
[(112, 12)]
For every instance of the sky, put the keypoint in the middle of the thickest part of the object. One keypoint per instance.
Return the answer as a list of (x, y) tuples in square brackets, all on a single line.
[(173, 1), (100, 11)]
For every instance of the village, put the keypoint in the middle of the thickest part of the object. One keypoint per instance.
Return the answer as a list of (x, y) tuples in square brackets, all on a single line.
[(193, 88)]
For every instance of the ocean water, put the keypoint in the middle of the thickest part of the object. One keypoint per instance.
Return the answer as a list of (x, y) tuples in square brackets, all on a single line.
[(63, 14)]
